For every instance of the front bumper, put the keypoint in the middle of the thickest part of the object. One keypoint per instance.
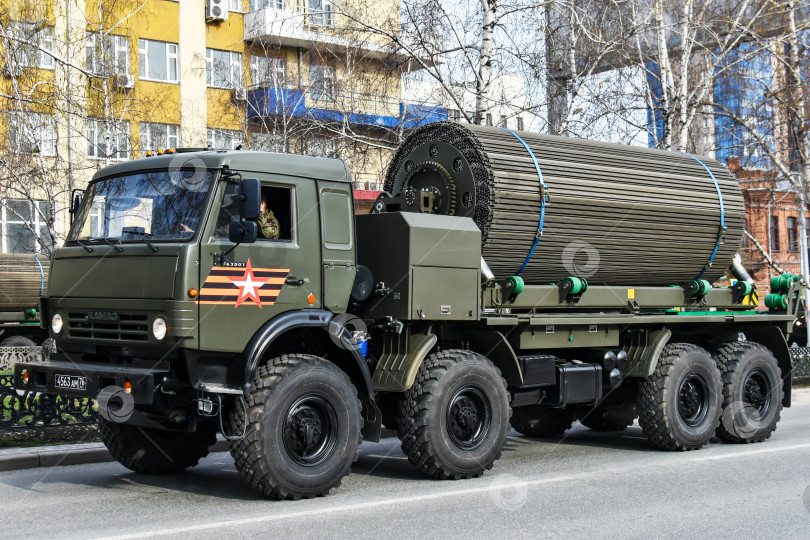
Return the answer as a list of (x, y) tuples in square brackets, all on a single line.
[(41, 378)]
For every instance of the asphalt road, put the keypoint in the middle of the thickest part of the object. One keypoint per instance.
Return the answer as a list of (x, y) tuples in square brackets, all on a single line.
[(590, 484)]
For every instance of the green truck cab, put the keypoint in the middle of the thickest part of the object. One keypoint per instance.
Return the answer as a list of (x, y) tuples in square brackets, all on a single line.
[(169, 309)]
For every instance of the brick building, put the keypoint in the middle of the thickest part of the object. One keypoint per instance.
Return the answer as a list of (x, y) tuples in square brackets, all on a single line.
[(772, 217)]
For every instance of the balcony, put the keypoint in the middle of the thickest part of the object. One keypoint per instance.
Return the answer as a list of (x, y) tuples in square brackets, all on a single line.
[(295, 29), (328, 105)]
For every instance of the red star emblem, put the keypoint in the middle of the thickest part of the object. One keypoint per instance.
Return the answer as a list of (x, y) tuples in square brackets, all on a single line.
[(248, 287)]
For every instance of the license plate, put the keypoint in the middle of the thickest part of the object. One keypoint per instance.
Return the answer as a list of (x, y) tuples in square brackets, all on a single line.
[(70, 382)]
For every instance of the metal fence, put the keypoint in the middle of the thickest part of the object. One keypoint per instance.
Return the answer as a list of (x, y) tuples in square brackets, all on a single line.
[(25, 409), (800, 356)]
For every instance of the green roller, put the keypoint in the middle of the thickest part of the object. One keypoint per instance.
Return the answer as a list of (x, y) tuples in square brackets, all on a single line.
[(514, 284), (578, 285), (776, 301), (782, 283), (747, 288), (703, 287)]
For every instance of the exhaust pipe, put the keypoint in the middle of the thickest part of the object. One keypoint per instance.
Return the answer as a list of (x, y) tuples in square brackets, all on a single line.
[(115, 404), (739, 271), (486, 274)]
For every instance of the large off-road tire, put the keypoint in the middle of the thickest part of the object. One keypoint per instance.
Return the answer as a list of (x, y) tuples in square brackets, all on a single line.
[(679, 404), (453, 421), (537, 421), (303, 428), (155, 451), (752, 392), (613, 414), (17, 341)]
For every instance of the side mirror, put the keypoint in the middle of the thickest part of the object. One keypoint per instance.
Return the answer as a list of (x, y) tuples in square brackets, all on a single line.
[(243, 232), (251, 193), (76, 201)]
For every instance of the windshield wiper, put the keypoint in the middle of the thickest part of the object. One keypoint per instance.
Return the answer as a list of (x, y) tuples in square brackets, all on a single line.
[(85, 246), (142, 234), (117, 247)]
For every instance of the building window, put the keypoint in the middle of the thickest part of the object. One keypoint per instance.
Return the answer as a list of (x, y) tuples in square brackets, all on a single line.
[(107, 140), (322, 82), (223, 69), (489, 119), (269, 142), (159, 136), (108, 55), (25, 226), (32, 133), (519, 123), (320, 13), (224, 139), (774, 233), (793, 233), (454, 115), (504, 123), (157, 60), (235, 5), (30, 46), (267, 71), (322, 147), (256, 5)]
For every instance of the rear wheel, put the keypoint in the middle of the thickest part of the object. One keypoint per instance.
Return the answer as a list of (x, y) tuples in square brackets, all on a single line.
[(537, 421), (752, 392), (680, 403), (454, 419), (303, 428), (154, 451)]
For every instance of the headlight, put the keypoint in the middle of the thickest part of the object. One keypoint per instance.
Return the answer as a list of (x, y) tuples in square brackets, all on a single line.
[(56, 324), (159, 328)]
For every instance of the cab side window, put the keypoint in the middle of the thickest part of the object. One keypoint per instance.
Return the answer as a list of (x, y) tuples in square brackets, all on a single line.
[(278, 202), (229, 211)]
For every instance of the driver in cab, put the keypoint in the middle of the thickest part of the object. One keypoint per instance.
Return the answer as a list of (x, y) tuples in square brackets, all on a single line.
[(267, 222)]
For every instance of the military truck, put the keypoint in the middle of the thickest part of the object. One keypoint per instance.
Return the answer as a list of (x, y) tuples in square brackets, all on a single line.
[(23, 280), (502, 278)]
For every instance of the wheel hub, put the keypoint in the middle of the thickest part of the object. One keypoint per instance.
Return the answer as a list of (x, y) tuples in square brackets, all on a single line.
[(469, 416), (310, 430), (756, 391), (693, 399)]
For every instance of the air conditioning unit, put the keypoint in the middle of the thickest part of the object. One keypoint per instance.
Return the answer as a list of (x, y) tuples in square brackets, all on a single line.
[(239, 93), (124, 80), (216, 10)]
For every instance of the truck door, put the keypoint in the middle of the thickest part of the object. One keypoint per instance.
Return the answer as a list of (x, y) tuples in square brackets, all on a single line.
[(337, 236), (255, 282)]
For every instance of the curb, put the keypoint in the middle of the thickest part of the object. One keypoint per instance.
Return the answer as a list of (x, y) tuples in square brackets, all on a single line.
[(14, 459)]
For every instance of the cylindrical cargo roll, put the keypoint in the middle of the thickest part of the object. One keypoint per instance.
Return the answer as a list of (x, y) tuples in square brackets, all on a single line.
[(613, 214), (23, 279)]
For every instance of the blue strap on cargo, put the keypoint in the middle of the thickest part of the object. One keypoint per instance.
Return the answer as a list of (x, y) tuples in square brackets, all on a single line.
[(42, 274), (543, 199), (722, 234)]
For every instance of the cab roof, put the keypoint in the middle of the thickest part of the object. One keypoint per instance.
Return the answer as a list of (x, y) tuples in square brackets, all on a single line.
[(244, 161)]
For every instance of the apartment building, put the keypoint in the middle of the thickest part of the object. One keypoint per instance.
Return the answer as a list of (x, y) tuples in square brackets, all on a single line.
[(87, 83)]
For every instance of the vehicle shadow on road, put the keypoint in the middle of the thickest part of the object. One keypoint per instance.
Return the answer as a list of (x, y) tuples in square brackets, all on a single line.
[(632, 439)]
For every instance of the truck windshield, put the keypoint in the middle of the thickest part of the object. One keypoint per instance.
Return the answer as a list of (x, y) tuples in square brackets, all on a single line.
[(157, 205)]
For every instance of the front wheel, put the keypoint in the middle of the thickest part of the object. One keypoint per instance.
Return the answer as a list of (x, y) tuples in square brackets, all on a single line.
[(453, 421), (303, 428)]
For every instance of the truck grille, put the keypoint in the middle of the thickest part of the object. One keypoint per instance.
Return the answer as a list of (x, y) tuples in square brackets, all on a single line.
[(129, 328)]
